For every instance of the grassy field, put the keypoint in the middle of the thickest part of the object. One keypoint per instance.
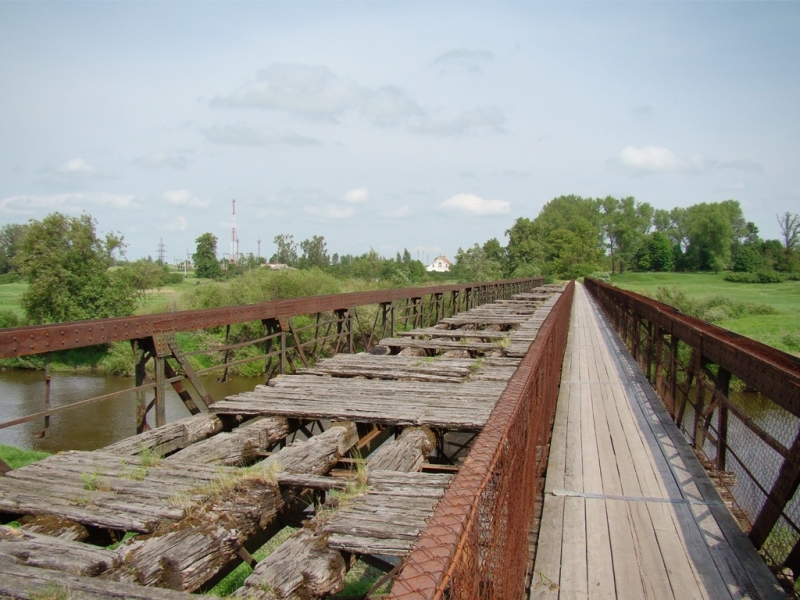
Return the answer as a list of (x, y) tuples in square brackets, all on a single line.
[(158, 300), (781, 329), (10, 294)]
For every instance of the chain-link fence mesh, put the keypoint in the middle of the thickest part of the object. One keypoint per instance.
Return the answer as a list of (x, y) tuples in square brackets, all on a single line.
[(476, 543)]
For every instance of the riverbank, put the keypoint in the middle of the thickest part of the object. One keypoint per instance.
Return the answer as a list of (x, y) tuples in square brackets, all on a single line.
[(17, 458)]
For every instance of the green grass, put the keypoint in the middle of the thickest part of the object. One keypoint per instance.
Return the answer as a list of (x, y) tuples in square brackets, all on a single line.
[(17, 458), (168, 298), (235, 578), (10, 295), (780, 330)]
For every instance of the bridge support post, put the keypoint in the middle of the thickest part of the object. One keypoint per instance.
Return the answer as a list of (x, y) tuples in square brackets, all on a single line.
[(387, 319), (721, 389), (160, 400), (141, 354), (344, 330), (272, 329)]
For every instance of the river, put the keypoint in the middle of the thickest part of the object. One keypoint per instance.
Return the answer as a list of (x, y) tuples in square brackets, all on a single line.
[(87, 427)]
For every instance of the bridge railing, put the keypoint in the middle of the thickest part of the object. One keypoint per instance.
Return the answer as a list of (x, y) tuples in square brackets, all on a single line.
[(737, 401), (476, 542), (287, 334)]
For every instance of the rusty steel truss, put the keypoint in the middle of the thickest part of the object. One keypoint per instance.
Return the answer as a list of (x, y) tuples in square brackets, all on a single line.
[(707, 378), (334, 323)]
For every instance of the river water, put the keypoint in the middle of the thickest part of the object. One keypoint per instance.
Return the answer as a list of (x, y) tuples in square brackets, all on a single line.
[(92, 426)]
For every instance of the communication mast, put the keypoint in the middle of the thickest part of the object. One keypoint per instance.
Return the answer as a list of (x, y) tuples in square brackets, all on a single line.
[(234, 236)]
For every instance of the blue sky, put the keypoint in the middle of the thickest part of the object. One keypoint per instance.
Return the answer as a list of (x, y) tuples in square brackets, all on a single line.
[(420, 125)]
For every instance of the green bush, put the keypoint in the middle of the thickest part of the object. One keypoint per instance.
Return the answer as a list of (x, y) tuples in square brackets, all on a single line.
[(713, 309), (8, 318), (760, 277)]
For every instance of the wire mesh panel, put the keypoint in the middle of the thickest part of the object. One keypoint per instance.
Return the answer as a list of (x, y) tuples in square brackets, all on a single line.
[(476, 543)]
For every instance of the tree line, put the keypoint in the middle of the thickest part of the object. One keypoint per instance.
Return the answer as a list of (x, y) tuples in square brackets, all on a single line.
[(75, 273), (574, 236)]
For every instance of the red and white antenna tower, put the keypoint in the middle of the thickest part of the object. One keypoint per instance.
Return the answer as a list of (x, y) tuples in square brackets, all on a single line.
[(234, 237)]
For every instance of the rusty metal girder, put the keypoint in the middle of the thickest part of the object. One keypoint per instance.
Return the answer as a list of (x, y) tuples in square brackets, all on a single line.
[(774, 373), (23, 341)]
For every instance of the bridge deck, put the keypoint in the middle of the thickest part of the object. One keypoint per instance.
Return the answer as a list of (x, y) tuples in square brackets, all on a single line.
[(180, 489), (629, 511)]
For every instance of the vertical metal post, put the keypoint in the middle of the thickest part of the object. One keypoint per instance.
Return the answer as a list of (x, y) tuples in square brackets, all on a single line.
[(659, 374), (699, 402), (650, 349), (673, 374), (350, 346), (282, 358), (161, 400), (139, 361), (46, 395), (224, 377), (722, 387)]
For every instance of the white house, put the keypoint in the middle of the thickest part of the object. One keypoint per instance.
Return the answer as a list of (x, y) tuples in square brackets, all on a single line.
[(440, 264)]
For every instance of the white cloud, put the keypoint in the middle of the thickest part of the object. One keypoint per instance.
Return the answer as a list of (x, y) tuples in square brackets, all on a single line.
[(72, 173), (356, 196), (77, 166), (315, 92), (246, 135), (397, 213), (161, 161), (185, 198), (473, 205), (488, 119), (71, 203), (328, 211), (649, 158), (470, 60), (179, 223), (657, 159)]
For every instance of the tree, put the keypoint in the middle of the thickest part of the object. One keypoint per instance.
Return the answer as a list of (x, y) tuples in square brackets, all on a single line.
[(790, 229), (67, 265), (287, 250), (655, 253), (144, 275), (205, 257), (533, 249), (474, 264), (11, 238), (712, 229), (625, 223), (315, 253), (494, 251)]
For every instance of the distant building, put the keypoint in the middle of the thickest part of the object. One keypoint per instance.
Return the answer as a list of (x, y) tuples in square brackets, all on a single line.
[(440, 264)]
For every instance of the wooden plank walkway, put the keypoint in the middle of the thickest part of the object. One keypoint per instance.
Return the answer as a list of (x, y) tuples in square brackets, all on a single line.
[(628, 510)]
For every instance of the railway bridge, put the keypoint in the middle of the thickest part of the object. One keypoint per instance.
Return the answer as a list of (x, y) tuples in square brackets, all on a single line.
[(491, 440)]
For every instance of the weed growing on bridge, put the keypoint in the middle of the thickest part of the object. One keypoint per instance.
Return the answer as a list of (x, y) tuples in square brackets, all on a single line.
[(52, 591), (94, 483)]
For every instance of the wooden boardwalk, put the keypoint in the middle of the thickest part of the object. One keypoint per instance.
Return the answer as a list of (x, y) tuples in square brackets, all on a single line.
[(628, 510)]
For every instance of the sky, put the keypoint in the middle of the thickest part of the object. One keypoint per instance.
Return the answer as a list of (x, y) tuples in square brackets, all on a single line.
[(389, 125)]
